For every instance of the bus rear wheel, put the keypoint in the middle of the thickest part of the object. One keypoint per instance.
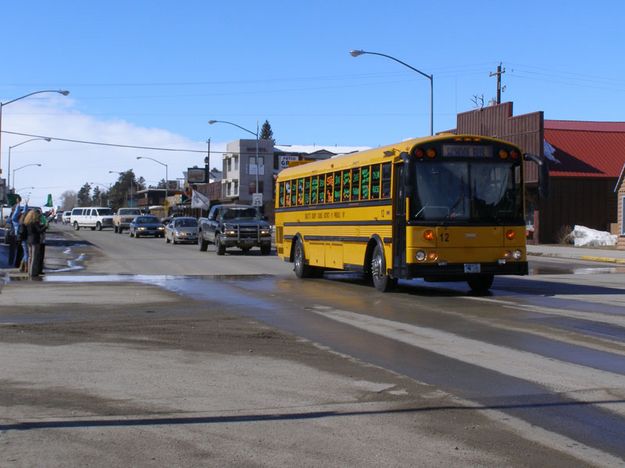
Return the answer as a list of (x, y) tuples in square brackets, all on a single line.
[(381, 280), (480, 284), (299, 259)]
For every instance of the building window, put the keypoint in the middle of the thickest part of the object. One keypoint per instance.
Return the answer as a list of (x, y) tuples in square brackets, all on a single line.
[(623, 216), (252, 187)]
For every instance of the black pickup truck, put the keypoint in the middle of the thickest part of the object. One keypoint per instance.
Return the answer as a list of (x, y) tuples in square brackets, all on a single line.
[(240, 226)]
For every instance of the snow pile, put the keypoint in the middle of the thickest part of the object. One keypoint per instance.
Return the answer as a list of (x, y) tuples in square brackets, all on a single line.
[(586, 237)]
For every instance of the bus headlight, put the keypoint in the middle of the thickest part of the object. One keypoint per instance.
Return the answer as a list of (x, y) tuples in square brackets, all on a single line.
[(420, 256), (517, 254)]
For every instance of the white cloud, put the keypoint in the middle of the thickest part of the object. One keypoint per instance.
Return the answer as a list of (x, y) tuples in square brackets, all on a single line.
[(67, 166)]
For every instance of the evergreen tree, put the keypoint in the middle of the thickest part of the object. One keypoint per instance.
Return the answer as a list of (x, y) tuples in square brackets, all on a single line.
[(83, 196), (266, 133), (124, 191)]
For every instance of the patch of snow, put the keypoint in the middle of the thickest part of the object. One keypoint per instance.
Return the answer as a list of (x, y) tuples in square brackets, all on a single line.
[(587, 237)]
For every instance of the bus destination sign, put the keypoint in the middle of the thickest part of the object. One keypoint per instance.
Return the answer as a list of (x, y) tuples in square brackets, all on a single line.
[(467, 151)]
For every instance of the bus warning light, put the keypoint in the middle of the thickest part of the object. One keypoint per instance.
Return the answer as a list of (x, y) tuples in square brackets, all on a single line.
[(428, 235), (510, 234), (431, 153)]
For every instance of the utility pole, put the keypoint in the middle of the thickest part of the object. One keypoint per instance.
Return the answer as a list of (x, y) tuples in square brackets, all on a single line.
[(498, 74)]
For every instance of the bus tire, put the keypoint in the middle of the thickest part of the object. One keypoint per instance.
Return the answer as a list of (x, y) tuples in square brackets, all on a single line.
[(480, 284), (299, 261), (381, 280)]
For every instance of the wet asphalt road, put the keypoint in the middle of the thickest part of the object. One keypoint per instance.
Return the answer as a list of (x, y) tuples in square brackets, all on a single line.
[(546, 350)]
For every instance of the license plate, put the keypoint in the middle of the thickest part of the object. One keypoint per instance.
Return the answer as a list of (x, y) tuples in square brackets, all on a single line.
[(471, 267)]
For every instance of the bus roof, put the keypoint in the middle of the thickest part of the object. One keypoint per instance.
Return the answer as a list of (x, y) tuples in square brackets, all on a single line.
[(381, 154)]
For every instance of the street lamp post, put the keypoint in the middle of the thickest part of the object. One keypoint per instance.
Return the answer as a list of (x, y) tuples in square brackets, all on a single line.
[(22, 167), (64, 92), (166, 173), (15, 146), (256, 192), (356, 53)]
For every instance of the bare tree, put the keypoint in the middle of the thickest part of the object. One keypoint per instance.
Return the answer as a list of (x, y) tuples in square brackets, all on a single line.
[(68, 200)]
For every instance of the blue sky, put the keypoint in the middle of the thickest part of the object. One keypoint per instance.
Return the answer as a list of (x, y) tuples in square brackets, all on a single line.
[(152, 73)]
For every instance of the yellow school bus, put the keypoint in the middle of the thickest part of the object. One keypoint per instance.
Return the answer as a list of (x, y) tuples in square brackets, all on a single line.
[(442, 208)]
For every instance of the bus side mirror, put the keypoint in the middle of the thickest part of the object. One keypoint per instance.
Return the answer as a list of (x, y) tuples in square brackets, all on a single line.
[(543, 174)]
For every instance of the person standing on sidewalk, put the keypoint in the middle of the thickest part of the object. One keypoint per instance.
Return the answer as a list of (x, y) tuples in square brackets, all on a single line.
[(22, 239), (35, 231)]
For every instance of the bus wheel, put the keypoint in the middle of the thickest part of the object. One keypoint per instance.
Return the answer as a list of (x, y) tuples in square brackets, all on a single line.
[(301, 269), (480, 284), (381, 280)]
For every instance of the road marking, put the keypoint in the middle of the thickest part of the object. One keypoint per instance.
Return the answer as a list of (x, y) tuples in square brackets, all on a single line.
[(558, 376)]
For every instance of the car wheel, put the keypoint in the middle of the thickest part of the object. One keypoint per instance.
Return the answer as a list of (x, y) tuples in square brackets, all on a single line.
[(381, 280), (120, 230), (219, 246), (98, 226), (166, 240), (76, 226), (115, 229), (265, 249), (202, 244)]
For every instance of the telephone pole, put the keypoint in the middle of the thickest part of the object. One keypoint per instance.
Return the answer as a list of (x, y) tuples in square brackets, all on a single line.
[(500, 71)]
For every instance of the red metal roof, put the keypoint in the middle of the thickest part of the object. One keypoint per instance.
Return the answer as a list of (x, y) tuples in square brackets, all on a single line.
[(586, 149)]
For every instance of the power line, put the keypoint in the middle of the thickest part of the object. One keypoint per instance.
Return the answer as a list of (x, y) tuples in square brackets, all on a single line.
[(115, 145)]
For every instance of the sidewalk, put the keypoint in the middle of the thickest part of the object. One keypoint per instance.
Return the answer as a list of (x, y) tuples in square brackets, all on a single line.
[(593, 254)]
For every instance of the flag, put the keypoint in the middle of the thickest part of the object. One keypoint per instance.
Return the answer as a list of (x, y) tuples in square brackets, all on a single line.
[(199, 200), (49, 203)]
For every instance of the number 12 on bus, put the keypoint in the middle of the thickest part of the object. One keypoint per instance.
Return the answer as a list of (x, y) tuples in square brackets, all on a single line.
[(442, 208)]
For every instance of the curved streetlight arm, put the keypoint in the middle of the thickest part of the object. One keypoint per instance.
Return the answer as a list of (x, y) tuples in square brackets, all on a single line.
[(211, 122), (15, 146), (64, 92), (356, 53)]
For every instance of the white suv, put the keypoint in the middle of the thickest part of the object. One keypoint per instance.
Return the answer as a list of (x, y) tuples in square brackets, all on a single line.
[(94, 217)]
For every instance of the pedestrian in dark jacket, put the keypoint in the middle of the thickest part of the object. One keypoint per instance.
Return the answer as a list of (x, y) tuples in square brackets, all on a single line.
[(35, 231)]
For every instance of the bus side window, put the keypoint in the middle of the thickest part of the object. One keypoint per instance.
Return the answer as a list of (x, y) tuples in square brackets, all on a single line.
[(293, 193), (364, 183), (346, 185), (307, 191), (322, 188), (337, 187), (375, 181), (329, 188), (281, 194), (314, 187), (355, 184), (386, 180), (300, 191)]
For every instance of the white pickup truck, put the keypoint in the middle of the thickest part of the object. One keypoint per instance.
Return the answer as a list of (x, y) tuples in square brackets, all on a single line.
[(123, 218)]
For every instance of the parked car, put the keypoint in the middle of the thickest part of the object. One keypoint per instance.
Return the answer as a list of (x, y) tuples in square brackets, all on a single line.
[(67, 216), (146, 225), (181, 229), (240, 226)]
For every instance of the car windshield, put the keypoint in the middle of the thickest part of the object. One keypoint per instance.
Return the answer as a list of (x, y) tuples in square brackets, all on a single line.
[(467, 192), (130, 212), (146, 220), (186, 222), (240, 213), (105, 212)]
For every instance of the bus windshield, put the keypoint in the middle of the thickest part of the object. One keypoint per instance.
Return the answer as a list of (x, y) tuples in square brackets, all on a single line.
[(467, 192)]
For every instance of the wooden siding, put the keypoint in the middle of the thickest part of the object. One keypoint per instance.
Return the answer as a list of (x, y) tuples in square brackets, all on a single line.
[(526, 131), (580, 201)]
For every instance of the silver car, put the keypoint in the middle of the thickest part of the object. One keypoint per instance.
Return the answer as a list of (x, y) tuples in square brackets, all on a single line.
[(181, 229)]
